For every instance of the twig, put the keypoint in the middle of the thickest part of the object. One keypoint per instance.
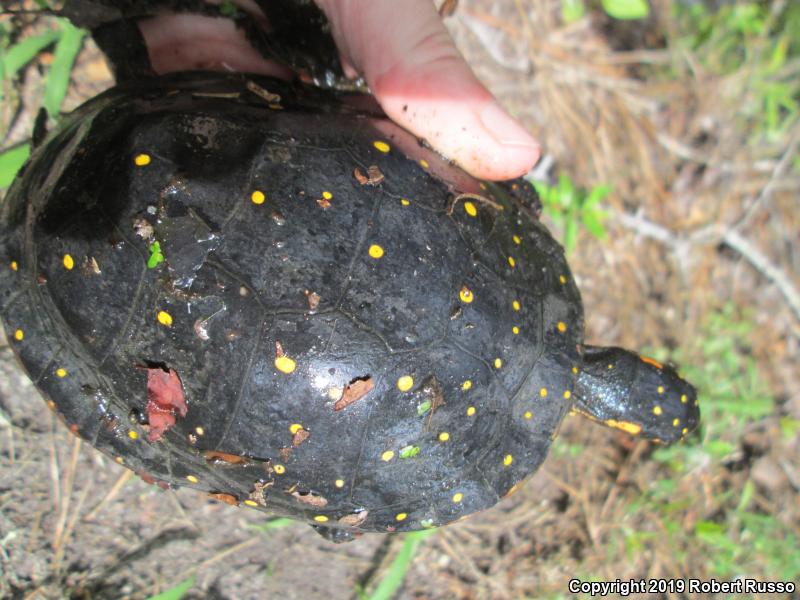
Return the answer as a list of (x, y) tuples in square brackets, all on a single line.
[(716, 234), (766, 192), (112, 493), (761, 263), (66, 494)]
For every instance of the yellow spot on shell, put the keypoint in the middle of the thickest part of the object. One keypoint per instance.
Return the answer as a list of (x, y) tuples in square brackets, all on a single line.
[(515, 330), (257, 197), (465, 294), (321, 519), (631, 428), (661, 389), (387, 456), (466, 385), (469, 207), (562, 279), (515, 305), (199, 431), (516, 239), (543, 392), (507, 460), (141, 160), (164, 318), (684, 431), (470, 411), (610, 366), (381, 146), (14, 265), (528, 415), (192, 479), (404, 201), (327, 195), (676, 422), (444, 436), (405, 383), (498, 363), (401, 516), (295, 427), (458, 497), (684, 399), (423, 163), (284, 364), (61, 372), (575, 370), (19, 335), (567, 394), (120, 460), (562, 327), (339, 483), (657, 410), (251, 503), (68, 262), (375, 251), (512, 262), (133, 435), (279, 469)]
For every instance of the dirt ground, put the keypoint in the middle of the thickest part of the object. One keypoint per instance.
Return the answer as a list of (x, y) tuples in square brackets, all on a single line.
[(700, 219)]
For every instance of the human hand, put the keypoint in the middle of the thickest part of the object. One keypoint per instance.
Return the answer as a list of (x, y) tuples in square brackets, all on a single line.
[(407, 59)]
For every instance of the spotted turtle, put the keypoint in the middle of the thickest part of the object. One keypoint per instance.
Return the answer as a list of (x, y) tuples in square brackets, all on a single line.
[(271, 293)]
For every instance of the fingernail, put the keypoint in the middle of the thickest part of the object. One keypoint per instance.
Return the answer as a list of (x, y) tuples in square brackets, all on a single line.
[(504, 129)]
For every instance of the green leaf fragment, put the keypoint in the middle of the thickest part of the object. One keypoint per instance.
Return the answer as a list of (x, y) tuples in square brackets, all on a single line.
[(626, 9), (228, 9), (156, 257), (572, 10), (409, 451), (424, 407)]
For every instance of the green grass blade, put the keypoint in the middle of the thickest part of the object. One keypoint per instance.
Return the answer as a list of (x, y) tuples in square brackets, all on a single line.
[(58, 78), (10, 162), (594, 225), (22, 53), (394, 577), (177, 592)]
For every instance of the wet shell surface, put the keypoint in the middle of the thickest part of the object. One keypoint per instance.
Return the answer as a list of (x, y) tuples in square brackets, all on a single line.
[(292, 306)]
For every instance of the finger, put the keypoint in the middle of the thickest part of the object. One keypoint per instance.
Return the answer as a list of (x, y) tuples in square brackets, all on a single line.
[(418, 76), (179, 42)]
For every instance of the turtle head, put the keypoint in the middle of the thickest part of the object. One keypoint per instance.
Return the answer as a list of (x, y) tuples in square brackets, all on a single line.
[(637, 394)]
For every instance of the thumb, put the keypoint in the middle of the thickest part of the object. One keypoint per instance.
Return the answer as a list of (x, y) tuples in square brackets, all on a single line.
[(422, 83)]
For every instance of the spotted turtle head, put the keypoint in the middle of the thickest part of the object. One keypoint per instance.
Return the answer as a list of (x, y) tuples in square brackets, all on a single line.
[(636, 394)]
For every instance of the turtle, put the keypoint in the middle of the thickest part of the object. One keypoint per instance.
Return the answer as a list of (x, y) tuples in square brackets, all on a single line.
[(269, 292)]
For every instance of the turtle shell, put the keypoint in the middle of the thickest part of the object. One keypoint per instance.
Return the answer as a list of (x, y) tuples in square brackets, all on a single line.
[(275, 295)]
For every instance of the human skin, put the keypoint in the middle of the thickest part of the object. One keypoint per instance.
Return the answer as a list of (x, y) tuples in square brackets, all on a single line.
[(405, 55)]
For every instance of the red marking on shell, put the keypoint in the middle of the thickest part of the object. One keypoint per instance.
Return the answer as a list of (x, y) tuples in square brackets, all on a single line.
[(165, 401)]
